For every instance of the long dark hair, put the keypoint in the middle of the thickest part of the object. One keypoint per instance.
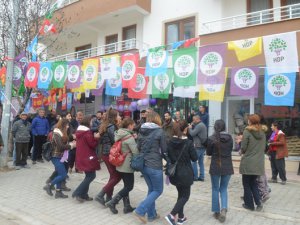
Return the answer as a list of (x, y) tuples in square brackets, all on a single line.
[(219, 127), (62, 126), (110, 118)]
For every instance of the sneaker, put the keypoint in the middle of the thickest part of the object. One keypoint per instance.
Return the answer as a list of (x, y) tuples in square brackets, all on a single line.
[(247, 207), (40, 160), (155, 218), (222, 216), (33, 162), (181, 221), (170, 219), (259, 208), (265, 198), (201, 179), (283, 182), (17, 167), (141, 218), (216, 215), (26, 166), (272, 181)]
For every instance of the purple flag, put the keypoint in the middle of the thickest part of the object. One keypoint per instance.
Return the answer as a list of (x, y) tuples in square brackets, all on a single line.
[(211, 64), (23, 61), (74, 74), (244, 81), (18, 72)]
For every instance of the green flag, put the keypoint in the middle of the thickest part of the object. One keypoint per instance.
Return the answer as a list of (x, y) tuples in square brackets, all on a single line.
[(184, 67), (22, 89), (59, 70), (54, 7), (161, 85)]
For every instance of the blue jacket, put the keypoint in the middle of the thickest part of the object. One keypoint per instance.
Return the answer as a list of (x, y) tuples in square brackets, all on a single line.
[(40, 126)]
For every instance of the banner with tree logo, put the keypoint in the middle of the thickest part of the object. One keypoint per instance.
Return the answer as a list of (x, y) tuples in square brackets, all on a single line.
[(98, 91), (129, 66), (280, 89), (74, 74), (31, 77), (140, 89), (109, 67), (157, 61), (161, 85), (281, 53), (184, 67), (247, 48), (244, 81), (59, 70), (114, 85), (45, 75), (211, 64), (90, 68), (17, 74)]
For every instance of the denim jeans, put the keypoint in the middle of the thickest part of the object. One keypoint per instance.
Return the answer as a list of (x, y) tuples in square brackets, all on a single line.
[(200, 154), (61, 172), (219, 186), (250, 191), (83, 188), (154, 180)]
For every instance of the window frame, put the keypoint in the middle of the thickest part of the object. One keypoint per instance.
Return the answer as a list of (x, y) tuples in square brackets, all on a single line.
[(124, 29), (249, 8), (108, 37), (82, 48)]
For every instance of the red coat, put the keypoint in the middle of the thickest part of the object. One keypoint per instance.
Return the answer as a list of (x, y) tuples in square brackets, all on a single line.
[(86, 157)]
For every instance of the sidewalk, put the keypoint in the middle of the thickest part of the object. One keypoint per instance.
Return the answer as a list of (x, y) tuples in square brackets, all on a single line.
[(24, 202)]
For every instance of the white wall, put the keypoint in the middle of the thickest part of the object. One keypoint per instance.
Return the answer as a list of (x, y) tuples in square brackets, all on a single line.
[(170, 10), (233, 7)]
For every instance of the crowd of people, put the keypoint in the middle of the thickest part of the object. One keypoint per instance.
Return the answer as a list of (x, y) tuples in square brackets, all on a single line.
[(85, 141)]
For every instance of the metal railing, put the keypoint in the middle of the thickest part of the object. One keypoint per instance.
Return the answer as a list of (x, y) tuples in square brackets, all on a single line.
[(130, 44), (250, 19), (68, 2)]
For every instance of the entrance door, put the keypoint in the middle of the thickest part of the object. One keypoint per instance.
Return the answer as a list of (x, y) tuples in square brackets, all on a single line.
[(237, 108)]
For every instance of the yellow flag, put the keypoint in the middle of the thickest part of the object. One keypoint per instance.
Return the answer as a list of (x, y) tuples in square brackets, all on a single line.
[(214, 92), (246, 49), (90, 69)]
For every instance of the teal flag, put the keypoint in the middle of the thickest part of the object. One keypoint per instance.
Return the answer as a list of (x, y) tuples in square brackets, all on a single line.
[(184, 67), (59, 70), (161, 85)]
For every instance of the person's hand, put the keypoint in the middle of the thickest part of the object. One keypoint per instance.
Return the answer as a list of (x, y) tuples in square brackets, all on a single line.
[(74, 136), (96, 135), (73, 144), (190, 126), (135, 136)]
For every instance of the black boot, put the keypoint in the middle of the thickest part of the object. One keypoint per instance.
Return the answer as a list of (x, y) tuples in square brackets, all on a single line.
[(108, 198), (127, 207), (48, 188), (64, 187), (100, 197), (59, 194), (112, 203)]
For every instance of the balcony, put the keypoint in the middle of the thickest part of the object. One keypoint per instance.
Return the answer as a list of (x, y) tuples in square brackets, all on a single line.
[(118, 47), (251, 19)]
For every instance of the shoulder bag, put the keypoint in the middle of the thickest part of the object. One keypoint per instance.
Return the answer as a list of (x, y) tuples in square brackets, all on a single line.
[(171, 170)]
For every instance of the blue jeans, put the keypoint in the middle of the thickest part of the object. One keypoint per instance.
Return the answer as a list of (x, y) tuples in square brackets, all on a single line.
[(219, 184), (83, 188), (200, 154), (61, 172), (154, 180)]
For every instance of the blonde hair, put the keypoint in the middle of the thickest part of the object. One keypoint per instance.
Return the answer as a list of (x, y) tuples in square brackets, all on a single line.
[(153, 117)]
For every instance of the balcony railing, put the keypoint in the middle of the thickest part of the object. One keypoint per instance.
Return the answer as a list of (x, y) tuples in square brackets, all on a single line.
[(127, 45), (250, 19)]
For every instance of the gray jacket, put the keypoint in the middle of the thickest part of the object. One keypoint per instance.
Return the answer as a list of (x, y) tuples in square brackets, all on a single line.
[(199, 134), (21, 132)]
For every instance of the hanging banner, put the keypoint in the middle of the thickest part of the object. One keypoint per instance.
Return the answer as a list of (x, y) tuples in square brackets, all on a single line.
[(281, 53), (129, 64), (211, 64), (74, 74), (45, 75), (280, 89), (109, 67), (90, 69), (100, 85), (185, 92), (69, 101), (64, 102), (246, 49), (37, 102), (157, 61), (31, 77), (17, 74), (244, 81), (59, 70), (161, 85), (214, 92), (32, 48), (114, 85), (140, 90), (184, 67)]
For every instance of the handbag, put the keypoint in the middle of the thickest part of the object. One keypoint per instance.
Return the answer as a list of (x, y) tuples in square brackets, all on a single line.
[(171, 170)]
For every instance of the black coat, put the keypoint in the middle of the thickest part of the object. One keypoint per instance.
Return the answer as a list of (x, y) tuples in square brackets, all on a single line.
[(221, 164), (184, 175)]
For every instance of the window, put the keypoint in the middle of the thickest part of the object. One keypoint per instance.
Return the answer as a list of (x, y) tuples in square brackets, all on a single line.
[(293, 12), (129, 34), (82, 51), (110, 42), (179, 30), (257, 6)]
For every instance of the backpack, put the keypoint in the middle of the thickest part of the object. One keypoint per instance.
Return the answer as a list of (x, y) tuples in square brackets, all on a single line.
[(116, 156), (47, 151)]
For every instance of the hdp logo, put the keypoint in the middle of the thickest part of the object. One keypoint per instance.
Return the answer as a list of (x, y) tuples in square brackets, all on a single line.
[(17, 73), (105, 63), (245, 78), (44, 74), (59, 73), (278, 45), (279, 85), (211, 63), (73, 73), (140, 83), (90, 73), (184, 66), (128, 70), (161, 82), (31, 74), (156, 59), (115, 82)]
